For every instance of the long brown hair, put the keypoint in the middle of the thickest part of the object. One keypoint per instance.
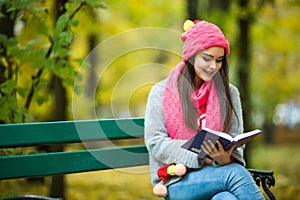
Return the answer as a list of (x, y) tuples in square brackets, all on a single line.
[(186, 87)]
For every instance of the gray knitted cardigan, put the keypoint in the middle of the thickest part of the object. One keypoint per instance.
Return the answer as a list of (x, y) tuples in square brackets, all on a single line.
[(163, 150)]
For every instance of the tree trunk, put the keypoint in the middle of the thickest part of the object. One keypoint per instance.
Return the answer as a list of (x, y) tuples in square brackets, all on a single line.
[(192, 9), (269, 131), (244, 72), (91, 81), (57, 188), (222, 5), (92, 85)]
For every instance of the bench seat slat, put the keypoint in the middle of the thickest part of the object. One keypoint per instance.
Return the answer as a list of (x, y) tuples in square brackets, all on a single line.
[(71, 162), (29, 134)]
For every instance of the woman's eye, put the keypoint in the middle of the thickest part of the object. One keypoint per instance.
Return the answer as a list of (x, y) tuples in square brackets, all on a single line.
[(219, 61), (206, 59)]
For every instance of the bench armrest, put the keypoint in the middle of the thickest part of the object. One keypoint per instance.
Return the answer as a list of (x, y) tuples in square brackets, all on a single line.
[(265, 179)]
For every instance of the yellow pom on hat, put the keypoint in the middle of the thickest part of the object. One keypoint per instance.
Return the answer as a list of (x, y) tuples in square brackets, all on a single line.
[(188, 24)]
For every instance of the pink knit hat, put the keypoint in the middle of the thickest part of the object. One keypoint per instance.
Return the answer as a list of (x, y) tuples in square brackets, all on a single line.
[(202, 35)]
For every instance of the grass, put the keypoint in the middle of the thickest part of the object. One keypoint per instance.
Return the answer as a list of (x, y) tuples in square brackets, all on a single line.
[(127, 183), (130, 183)]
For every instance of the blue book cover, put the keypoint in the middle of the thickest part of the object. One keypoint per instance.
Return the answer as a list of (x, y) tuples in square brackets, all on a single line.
[(194, 144)]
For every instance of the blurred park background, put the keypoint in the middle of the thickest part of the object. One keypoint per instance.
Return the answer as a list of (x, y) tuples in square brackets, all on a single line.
[(76, 59)]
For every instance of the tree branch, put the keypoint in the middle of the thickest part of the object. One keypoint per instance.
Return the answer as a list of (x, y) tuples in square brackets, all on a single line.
[(36, 78)]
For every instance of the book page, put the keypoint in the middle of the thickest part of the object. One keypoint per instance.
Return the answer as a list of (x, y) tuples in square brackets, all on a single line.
[(248, 134)]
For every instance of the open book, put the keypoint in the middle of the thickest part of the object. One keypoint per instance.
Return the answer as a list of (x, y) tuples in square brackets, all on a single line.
[(194, 144)]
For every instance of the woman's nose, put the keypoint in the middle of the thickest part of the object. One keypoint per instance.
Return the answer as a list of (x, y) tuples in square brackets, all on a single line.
[(213, 65)]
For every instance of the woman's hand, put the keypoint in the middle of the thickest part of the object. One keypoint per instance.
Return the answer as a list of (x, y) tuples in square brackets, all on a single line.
[(217, 152)]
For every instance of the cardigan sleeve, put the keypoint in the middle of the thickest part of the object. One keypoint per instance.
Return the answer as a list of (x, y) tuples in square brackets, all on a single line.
[(160, 146), (237, 126)]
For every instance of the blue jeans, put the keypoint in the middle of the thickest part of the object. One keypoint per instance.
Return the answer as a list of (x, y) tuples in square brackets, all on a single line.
[(228, 182)]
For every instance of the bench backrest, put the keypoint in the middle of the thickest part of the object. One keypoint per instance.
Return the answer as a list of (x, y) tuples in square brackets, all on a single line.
[(65, 132)]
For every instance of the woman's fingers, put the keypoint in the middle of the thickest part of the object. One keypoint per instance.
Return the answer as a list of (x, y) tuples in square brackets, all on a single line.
[(217, 152), (220, 146), (229, 151), (205, 148), (213, 146), (208, 147)]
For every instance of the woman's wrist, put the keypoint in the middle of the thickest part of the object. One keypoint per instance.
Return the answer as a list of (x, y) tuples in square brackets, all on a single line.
[(208, 161), (216, 163)]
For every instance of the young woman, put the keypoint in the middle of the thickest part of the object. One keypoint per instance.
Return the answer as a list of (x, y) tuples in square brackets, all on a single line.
[(198, 94)]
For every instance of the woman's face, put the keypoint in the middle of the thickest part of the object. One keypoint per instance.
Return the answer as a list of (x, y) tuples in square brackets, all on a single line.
[(207, 64)]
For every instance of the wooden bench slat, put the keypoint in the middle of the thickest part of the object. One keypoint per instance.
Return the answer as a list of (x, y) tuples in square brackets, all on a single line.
[(71, 162), (29, 134)]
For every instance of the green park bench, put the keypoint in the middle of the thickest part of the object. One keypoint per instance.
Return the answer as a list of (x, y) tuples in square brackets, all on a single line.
[(82, 131)]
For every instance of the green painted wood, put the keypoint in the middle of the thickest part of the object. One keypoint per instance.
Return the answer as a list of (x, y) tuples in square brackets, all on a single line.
[(29, 134), (71, 162)]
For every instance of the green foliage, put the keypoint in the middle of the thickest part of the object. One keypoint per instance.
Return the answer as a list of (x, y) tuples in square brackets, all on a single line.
[(36, 52), (13, 5), (275, 47)]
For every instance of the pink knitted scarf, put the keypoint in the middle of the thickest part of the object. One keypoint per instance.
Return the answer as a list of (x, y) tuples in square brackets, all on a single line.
[(172, 108)]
